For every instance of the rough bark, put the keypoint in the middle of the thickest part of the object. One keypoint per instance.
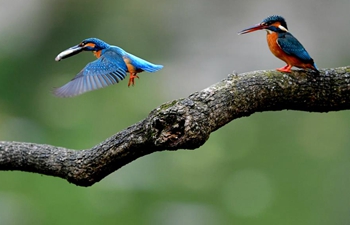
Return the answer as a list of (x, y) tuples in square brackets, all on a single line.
[(185, 123)]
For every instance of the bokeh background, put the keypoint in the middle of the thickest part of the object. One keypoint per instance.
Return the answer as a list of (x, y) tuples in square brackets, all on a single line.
[(283, 167)]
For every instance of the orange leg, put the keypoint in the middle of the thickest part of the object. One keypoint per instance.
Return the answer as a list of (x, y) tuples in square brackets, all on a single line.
[(131, 79), (286, 69)]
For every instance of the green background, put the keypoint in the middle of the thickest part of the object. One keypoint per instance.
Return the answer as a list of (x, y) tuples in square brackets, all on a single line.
[(283, 167)]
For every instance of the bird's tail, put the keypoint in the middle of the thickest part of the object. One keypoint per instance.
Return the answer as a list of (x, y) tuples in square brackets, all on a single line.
[(143, 64), (314, 67), (150, 67)]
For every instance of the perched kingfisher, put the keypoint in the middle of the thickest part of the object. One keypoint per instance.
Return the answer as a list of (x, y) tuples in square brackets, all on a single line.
[(283, 44), (110, 67)]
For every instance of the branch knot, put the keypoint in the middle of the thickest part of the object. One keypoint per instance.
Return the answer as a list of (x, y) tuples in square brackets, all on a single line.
[(175, 125)]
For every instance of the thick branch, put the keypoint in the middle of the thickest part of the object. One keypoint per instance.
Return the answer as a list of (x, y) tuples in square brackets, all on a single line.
[(185, 123)]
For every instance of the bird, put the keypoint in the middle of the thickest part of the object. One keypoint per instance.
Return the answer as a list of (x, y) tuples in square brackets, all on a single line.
[(283, 44), (110, 67)]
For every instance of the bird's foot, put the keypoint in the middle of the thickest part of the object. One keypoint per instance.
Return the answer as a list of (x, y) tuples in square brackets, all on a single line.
[(286, 69), (131, 79)]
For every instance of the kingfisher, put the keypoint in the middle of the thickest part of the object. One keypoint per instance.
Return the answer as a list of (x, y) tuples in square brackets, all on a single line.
[(283, 44), (110, 67)]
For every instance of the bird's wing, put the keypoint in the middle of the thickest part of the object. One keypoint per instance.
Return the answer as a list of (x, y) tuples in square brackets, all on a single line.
[(290, 45), (109, 69)]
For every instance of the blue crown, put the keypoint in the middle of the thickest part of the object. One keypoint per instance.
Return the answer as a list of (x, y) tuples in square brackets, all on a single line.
[(275, 18)]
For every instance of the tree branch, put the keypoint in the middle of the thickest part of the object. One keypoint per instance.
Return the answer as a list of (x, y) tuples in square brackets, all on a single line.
[(185, 123)]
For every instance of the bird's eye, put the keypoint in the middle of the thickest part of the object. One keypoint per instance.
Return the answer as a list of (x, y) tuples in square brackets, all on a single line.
[(81, 44)]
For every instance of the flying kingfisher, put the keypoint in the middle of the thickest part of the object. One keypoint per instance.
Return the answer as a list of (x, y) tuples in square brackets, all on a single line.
[(283, 44), (110, 67)]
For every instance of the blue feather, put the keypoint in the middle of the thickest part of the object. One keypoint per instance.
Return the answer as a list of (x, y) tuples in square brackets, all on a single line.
[(290, 45), (143, 64), (109, 69)]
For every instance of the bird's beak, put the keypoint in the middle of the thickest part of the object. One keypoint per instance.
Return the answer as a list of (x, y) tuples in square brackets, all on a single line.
[(253, 28), (69, 52)]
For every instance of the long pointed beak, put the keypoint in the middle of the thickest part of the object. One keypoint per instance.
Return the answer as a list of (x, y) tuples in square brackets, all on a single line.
[(69, 52), (253, 28)]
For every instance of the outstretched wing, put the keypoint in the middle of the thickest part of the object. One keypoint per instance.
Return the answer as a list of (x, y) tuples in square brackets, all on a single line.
[(109, 69), (292, 46)]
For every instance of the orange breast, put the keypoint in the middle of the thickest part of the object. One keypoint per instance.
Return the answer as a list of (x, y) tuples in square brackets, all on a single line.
[(274, 47), (97, 53)]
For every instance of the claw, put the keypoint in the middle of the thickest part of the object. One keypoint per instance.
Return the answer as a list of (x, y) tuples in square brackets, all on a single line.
[(286, 69), (131, 79)]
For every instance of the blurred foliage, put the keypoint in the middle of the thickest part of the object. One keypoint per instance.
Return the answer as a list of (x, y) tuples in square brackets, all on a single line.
[(270, 168)]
